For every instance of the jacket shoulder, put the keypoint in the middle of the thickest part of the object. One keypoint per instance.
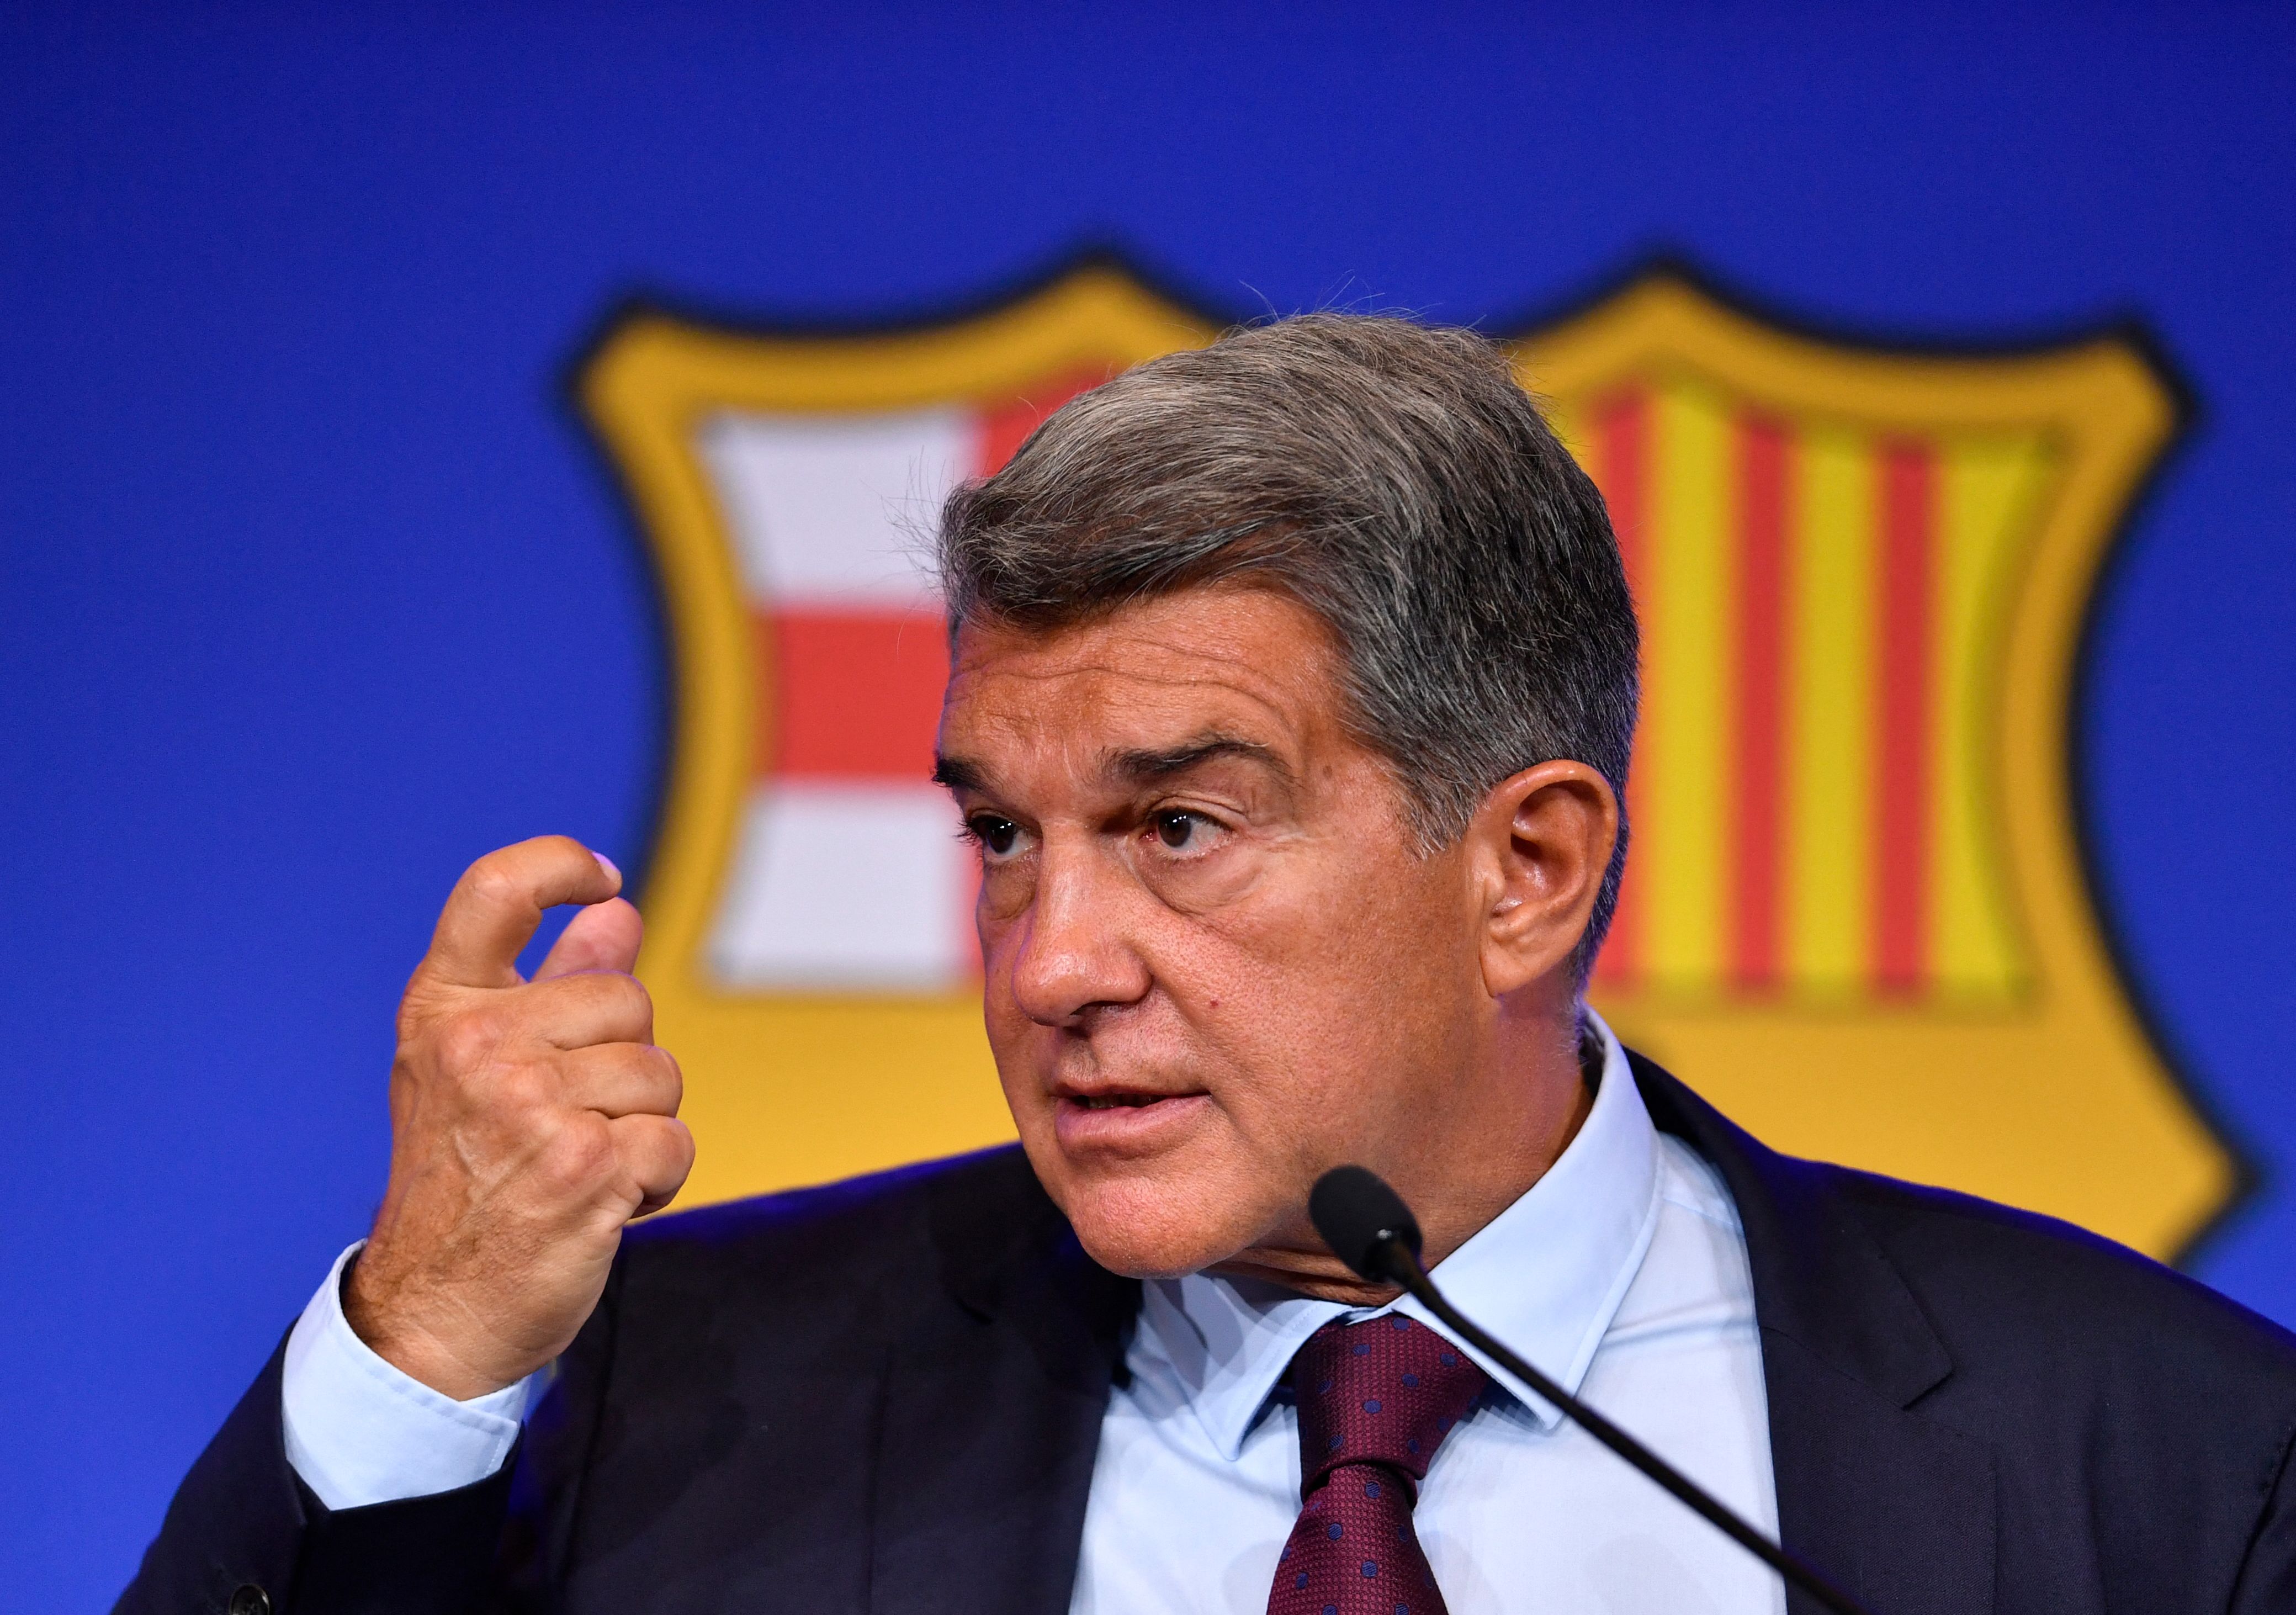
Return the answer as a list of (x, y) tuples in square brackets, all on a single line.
[(1996, 1284), (1981, 1263), (2104, 1383)]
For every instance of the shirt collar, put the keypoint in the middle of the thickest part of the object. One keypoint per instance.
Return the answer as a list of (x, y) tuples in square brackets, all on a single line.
[(1545, 1275)]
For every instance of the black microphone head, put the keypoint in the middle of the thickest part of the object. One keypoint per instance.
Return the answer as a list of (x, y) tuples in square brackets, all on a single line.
[(1361, 1218)]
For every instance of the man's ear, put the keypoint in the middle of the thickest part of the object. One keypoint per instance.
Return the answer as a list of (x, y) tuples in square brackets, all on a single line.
[(1538, 847)]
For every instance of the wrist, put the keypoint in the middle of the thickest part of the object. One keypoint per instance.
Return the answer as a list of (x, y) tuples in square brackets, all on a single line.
[(382, 1316)]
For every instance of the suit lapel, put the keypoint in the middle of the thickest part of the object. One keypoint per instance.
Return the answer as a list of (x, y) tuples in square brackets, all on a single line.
[(1897, 1508), (991, 1416)]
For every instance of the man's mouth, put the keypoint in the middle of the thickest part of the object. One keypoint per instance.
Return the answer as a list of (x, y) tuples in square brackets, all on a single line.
[(1127, 1120)]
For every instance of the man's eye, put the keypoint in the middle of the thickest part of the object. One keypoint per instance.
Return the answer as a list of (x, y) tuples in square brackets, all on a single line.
[(998, 836), (1175, 830)]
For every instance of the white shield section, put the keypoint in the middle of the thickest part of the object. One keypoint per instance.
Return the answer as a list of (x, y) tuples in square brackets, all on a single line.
[(844, 887), (838, 885), (837, 510)]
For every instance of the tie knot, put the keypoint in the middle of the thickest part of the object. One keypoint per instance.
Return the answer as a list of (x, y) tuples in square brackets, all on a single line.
[(1386, 1390)]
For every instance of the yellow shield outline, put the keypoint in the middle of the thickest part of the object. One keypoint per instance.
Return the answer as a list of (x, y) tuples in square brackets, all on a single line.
[(2061, 1101)]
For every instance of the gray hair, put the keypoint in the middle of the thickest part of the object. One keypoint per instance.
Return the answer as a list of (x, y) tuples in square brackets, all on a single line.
[(1390, 476)]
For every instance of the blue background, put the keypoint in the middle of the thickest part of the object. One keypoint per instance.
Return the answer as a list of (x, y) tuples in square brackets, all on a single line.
[(314, 589)]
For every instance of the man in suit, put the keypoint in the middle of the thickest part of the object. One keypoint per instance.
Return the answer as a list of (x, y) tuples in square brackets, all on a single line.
[(1292, 689)]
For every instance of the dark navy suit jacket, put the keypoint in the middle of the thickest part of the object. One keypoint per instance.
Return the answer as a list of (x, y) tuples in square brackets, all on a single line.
[(885, 1396)]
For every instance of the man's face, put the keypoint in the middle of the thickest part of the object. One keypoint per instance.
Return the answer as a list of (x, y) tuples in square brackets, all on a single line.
[(1215, 962)]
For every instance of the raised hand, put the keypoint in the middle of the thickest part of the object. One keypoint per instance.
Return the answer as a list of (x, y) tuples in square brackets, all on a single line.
[(530, 1122)]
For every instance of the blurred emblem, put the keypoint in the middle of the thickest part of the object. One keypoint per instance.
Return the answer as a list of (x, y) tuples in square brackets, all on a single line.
[(1856, 915)]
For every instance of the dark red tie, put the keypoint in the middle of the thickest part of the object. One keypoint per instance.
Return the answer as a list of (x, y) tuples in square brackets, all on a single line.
[(1376, 1399)]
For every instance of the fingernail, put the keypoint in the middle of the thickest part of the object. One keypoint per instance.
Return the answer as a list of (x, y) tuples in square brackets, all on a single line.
[(607, 865)]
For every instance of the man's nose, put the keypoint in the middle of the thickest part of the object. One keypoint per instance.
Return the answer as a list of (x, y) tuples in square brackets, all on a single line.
[(1074, 951)]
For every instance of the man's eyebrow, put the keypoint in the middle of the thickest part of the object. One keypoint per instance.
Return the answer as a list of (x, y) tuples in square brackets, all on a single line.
[(957, 773), (1135, 768), (1145, 767)]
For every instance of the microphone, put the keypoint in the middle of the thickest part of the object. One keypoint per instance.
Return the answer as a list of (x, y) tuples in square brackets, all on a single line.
[(1368, 1227)]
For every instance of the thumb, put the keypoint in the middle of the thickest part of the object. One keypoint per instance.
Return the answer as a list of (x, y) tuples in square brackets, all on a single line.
[(605, 936)]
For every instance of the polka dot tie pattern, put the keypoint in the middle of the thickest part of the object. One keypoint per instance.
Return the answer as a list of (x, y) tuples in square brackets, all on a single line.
[(1376, 1399)]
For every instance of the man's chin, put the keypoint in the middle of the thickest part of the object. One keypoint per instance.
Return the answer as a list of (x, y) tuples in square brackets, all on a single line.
[(1145, 1230), (1132, 1258)]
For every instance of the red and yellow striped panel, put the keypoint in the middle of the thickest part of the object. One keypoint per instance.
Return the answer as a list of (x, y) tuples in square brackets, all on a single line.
[(1812, 797)]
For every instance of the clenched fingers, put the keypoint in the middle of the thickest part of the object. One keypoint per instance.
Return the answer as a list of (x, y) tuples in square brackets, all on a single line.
[(590, 1007), (657, 1151), (621, 1079)]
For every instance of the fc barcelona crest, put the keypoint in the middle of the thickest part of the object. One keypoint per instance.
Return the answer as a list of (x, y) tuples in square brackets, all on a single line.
[(1855, 915)]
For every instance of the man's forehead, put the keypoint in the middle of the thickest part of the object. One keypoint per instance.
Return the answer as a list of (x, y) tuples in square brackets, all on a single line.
[(1219, 673), (1249, 628)]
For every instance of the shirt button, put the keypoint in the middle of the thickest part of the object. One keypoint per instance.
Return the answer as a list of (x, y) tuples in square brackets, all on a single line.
[(250, 1600)]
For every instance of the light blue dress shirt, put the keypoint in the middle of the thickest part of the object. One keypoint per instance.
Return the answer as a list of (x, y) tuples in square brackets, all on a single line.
[(1622, 1272)]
